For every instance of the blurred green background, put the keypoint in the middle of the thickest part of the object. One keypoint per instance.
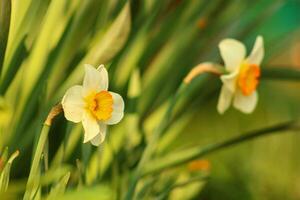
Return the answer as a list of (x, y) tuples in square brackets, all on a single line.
[(148, 47)]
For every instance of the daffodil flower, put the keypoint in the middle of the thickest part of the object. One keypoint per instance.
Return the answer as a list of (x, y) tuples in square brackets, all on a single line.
[(93, 105), (242, 79)]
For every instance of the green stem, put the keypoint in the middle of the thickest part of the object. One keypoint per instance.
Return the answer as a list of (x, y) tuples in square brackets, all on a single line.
[(280, 73), (150, 148), (5, 13), (36, 161), (184, 156), (34, 171)]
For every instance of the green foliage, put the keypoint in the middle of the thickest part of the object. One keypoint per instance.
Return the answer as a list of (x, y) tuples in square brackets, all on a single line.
[(148, 47)]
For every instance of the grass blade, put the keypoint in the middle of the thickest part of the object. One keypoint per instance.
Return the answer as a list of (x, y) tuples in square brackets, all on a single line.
[(60, 187), (105, 49), (4, 177), (184, 156), (34, 171), (5, 13)]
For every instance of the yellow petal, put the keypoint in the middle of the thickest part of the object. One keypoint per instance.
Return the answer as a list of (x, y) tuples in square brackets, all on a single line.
[(101, 105)]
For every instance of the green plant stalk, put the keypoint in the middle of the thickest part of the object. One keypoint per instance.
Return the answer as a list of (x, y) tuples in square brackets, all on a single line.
[(15, 42), (60, 187), (177, 158), (34, 171), (19, 55), (84, 19), (66, 149), (103, 50), (36, 160), (5, 10), (280, 73), (49, 177), (150, 148), (4, 175)]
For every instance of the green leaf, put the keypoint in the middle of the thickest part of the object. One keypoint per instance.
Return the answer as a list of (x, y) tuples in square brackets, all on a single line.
[(177, 158), (5, 13), (4, 177), (19, 30), (14, 64), (115, 142), (83, 20), (3, 158), (92, 169), (128, 61), (42, 47), (103, 50), (102, 192), (34, 171), (49, 177), (280, 73), (186, 186), (151, 146), (163, 65), (60, 187), (65, 150)]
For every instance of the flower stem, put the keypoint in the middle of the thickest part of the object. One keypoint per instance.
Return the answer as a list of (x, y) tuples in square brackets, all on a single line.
[(206, 67), (36, 161), (5, 14), (280, 73), (184, 156), (34, 171)]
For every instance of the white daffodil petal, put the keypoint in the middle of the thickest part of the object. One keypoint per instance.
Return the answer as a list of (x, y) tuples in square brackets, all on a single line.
[(73, 104), (233, 53), (104, 77), (118, 109), (224, 100), (229, 80), (96, 141), (91, 127), (95, 79), (257, 52), (244, 103)]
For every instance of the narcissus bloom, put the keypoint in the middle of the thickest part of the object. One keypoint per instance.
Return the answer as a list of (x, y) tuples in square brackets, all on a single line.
[(242, 79), (93, 105)]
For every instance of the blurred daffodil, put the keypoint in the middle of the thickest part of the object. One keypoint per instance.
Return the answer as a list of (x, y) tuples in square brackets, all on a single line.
[(93, 105), (242, 79)]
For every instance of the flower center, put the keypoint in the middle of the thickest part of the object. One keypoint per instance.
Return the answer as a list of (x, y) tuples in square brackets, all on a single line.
[(248, 78), (100, 105)]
